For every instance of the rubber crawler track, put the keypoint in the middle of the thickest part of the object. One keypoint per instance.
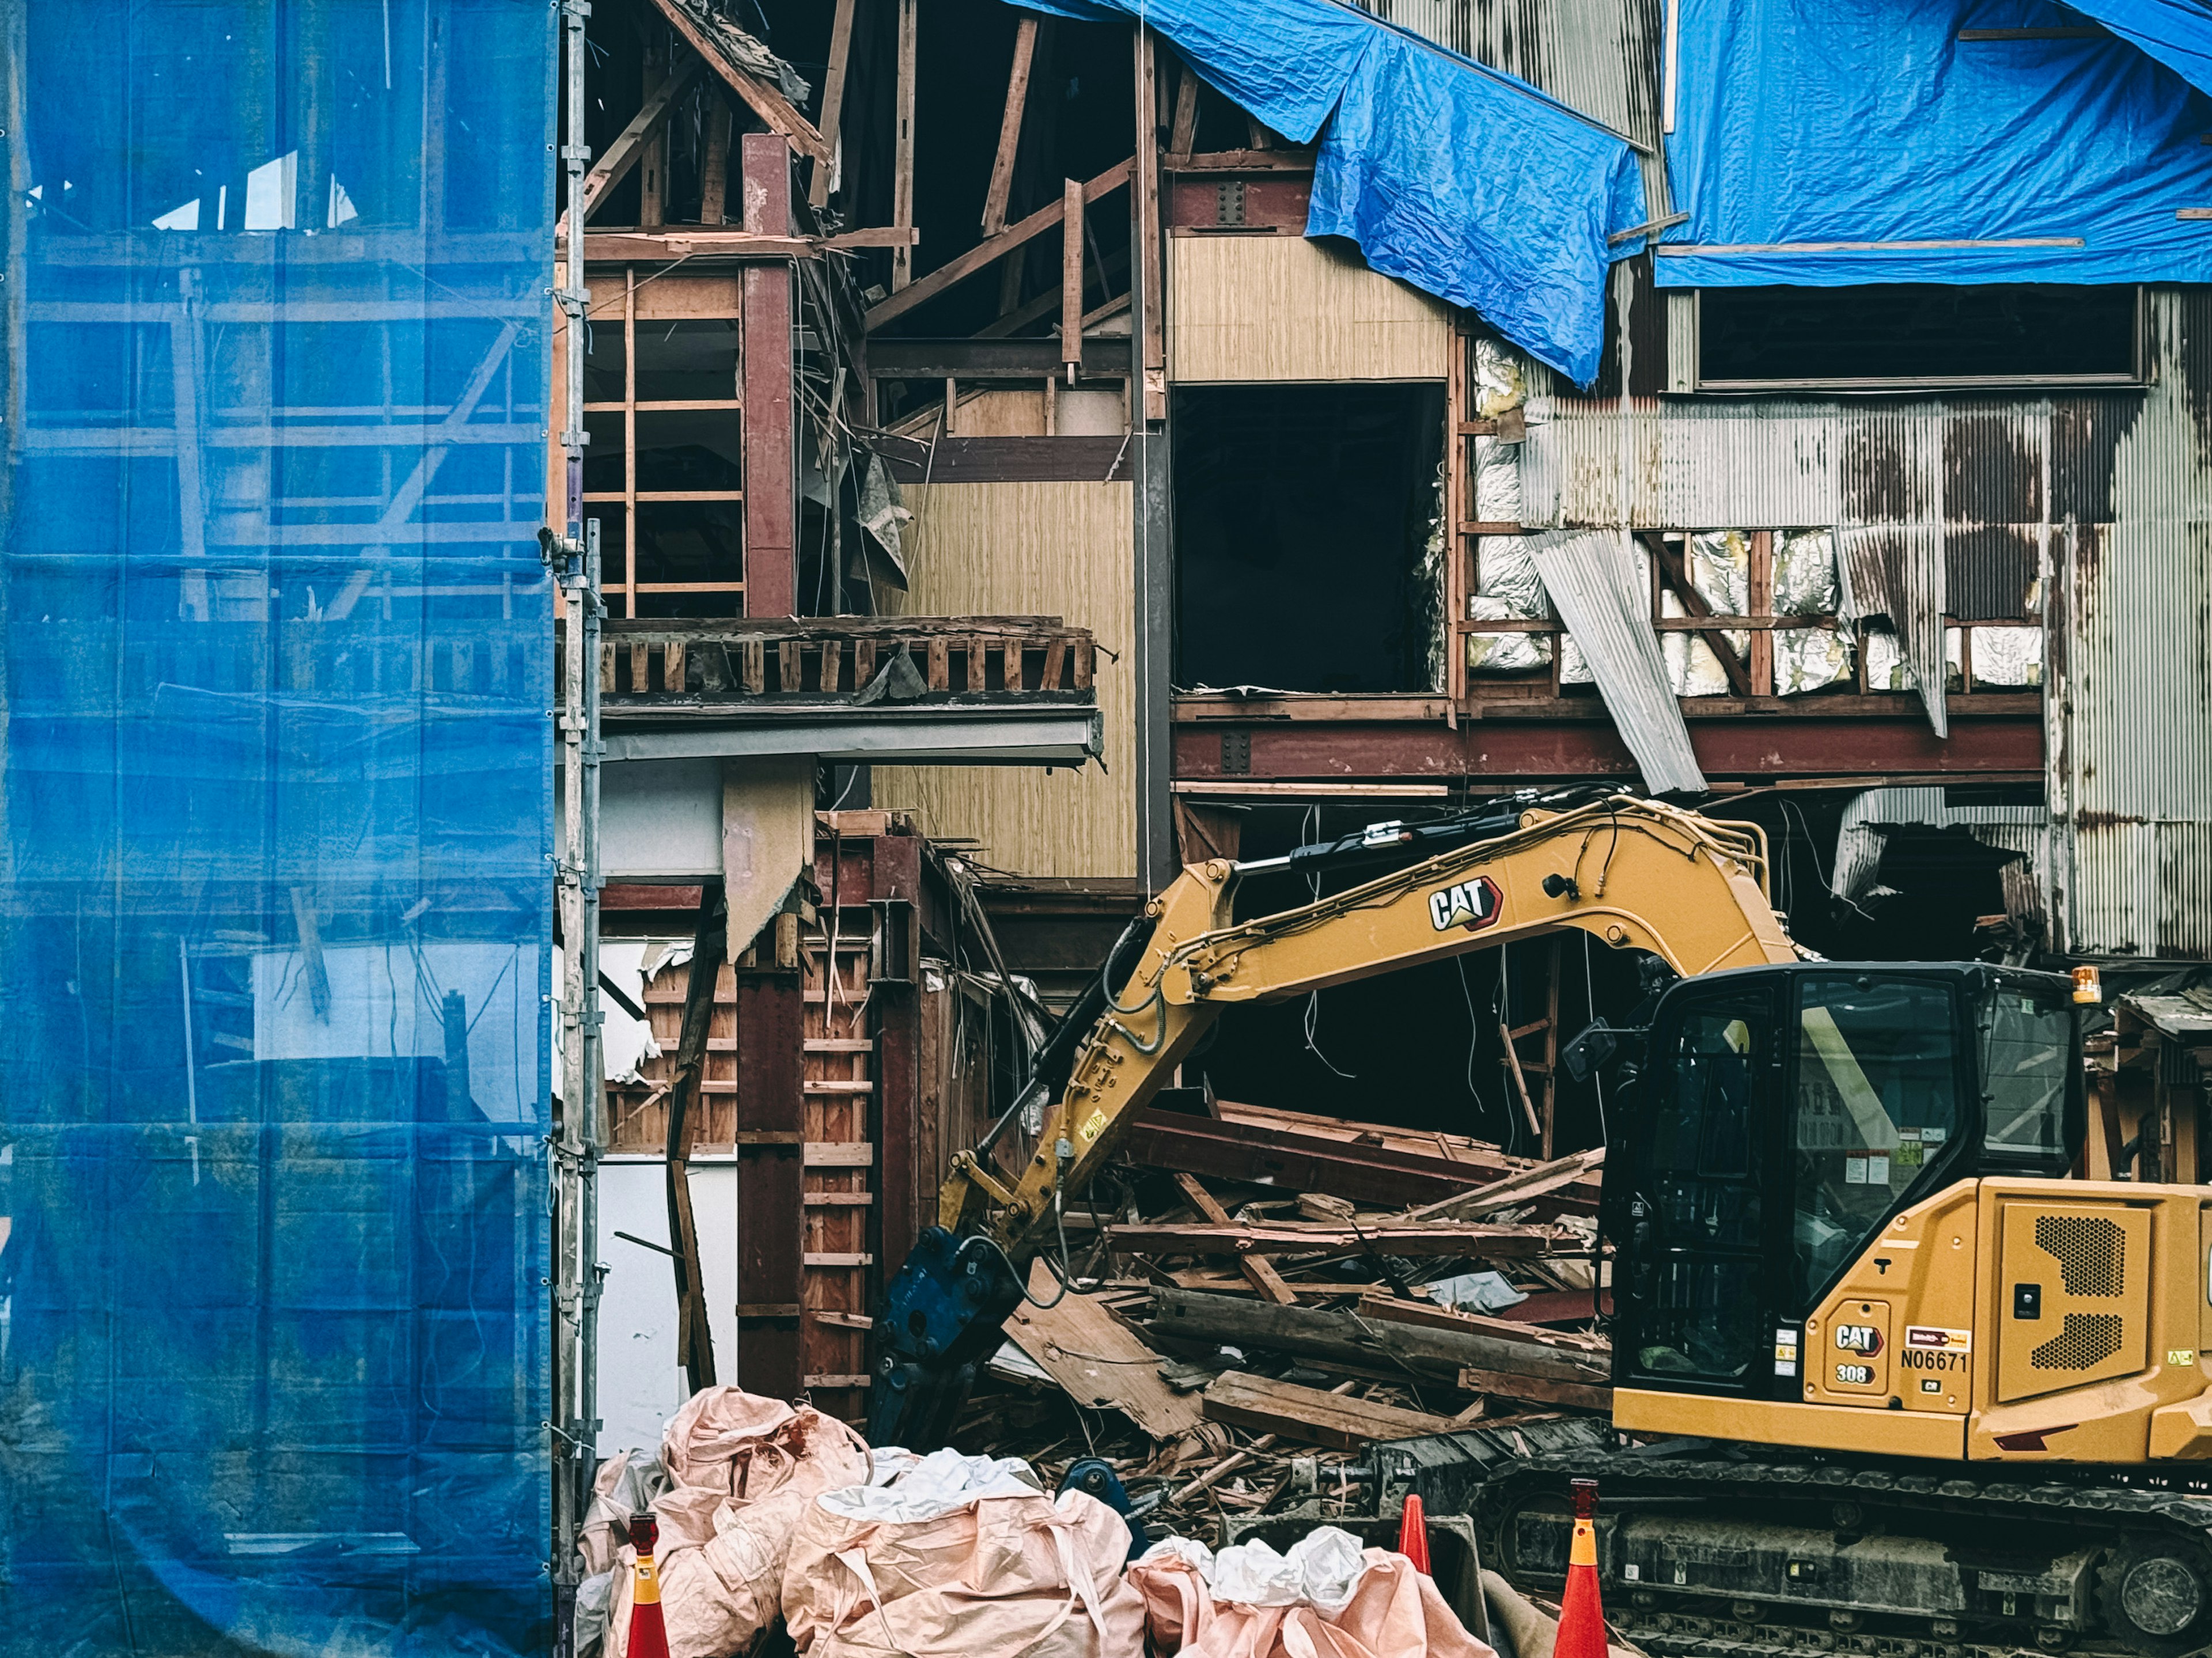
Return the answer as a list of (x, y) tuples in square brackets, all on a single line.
[(2088, 1501)]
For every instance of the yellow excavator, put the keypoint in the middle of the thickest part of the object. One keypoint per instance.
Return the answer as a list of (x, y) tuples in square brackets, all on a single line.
[(1886, 1378)]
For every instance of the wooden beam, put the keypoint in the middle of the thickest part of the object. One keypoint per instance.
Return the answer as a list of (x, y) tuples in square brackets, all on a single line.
[(1071, 277), (1298, 1238), (695, 1341), (1184, 132), (1520, 1082), (766, 101), (833, 103), (1343, 1337), (1010, 126), (986, 252), (1762, 604), (1537, 1389), (903, 140), (1243, 160), (714, 164), (1309, 1414), (1257, 1270), (611, 168), (1667, 560), (653, 159), (1514, 1189), (1149, 400)]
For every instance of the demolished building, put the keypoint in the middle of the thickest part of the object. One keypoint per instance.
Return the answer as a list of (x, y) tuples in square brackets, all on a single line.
[(1013, 452)]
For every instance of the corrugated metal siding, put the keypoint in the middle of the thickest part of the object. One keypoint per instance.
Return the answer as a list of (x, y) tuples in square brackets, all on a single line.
[(1601, 589), (1598, 57), (1967, 493), (1985, 485), (2132, 756)]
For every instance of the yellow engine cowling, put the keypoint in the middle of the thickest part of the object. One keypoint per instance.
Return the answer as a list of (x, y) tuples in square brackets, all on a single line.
[(2015, 1321)]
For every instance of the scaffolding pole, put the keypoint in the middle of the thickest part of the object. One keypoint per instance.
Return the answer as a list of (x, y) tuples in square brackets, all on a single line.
[(573, 554)]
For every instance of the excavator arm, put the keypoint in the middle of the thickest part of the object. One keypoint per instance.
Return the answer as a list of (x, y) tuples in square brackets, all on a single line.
[(1635, 873)]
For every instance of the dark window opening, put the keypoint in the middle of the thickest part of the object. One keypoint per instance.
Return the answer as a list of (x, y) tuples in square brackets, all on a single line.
[(1916, 333), (1304, 518)]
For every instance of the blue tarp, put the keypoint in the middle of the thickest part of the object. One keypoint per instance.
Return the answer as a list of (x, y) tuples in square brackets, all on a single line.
[(1870, 121), (275, 906), (2175, 32), (1462, 180)]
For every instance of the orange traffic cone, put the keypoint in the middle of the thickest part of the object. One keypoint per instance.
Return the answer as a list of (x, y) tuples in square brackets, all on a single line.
[(648, 1632), (1413, 1532), (1582, 1620)]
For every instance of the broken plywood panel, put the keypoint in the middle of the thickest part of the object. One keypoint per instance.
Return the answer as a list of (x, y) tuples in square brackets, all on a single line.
[(1098, 1361)]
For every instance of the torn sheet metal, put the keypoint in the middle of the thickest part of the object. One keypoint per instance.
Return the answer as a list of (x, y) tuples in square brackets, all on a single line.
[(884, 516), (1895, 572), (1871, 816), (1599, 584)]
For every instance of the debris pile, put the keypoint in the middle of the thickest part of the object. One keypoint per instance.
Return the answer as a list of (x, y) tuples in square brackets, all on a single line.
[(761, 1527), (1263, 1294)]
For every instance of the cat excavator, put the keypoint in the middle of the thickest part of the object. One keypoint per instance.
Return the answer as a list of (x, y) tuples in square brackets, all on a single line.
[(1886, 1378)]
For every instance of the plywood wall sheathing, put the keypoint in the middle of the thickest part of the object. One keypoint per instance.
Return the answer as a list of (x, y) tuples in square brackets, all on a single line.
[(1036, 549), (1285, 308)]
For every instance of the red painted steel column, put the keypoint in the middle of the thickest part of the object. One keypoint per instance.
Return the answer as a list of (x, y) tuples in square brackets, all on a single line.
[(771, 468), (771, 1157)]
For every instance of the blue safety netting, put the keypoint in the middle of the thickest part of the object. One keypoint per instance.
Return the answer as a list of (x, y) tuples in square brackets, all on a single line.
[(1939, 141), (275, 919), (1461, 179)]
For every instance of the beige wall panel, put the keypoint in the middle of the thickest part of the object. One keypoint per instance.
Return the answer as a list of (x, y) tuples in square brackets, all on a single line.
[(1030, 549), (1285, 308)]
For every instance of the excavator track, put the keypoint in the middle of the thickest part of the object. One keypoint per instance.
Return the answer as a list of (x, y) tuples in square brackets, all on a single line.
[(1773, 1557)]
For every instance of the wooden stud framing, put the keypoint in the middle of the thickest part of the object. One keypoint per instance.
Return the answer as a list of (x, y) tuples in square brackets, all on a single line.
[(765, 101), (996, 247), (833, 104), (645, 128)]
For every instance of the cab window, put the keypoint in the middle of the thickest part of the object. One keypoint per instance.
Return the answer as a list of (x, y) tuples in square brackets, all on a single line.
[(2027, 1053), (1703, 1263), (1876, 1104)]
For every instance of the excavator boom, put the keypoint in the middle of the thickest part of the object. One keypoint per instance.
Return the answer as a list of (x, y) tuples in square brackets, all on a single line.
[(1634, 873)]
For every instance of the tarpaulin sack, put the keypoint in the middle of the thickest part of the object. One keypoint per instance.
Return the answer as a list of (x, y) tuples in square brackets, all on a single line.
[(1327, 1597), (962, 1557), (744, 1468)]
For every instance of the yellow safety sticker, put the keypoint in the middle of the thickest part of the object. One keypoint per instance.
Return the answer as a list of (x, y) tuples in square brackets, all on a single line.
[(1093, 1125), (2184, 1355)]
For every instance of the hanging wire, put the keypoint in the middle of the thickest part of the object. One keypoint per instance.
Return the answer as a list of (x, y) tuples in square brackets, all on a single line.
[(1474, 1036), (1309, 834), (1597, 1075)]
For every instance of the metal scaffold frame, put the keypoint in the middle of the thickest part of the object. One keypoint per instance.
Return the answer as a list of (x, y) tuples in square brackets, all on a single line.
[(575, 557)]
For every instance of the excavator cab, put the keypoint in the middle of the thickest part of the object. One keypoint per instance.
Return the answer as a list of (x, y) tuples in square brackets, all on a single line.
[(1788, 1115)]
